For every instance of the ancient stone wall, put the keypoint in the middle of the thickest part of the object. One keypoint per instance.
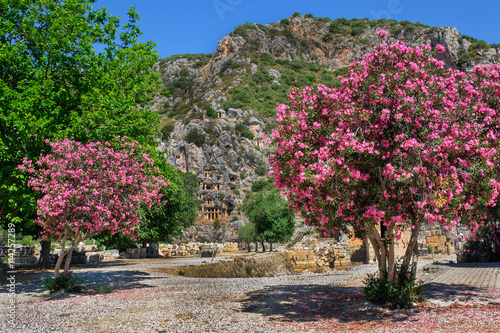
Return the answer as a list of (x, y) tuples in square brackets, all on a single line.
[(320, 255), (194, 248)]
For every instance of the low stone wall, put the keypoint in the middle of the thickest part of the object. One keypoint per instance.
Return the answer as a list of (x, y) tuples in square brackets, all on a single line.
[(86, 254), (325, 254), (193, 248), (436, 240), (432, 239), (22, 254), (320, 255), (135, 253)]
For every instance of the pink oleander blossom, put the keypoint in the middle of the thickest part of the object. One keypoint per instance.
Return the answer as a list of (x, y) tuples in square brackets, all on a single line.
[(382, 32), (402, 142), (89, 188)]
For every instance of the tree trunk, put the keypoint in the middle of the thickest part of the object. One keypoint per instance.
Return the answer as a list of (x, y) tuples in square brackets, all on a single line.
[(391, 271), (379, 250), (413, 241), (256, 246), (61, 256), (270, 247), (414, 264), (263, 247), (248, 244), (45, 254), (64, 253), (68, 259), (411, 253)]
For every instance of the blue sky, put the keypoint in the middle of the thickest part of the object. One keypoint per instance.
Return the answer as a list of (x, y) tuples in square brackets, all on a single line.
[(195, 26)]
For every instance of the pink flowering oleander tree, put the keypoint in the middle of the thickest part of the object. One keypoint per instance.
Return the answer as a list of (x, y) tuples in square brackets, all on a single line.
[(402, 142), (92, 187)]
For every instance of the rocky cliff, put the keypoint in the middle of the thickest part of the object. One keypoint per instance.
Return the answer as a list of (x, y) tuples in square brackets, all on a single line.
[(220, 105)]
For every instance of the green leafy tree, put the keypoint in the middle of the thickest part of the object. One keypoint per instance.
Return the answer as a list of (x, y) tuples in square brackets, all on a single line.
[(248, 234), (54, 85), (195, 136), (274, 220)]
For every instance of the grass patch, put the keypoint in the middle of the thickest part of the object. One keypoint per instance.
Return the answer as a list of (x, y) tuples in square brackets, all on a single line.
[(240, 267)]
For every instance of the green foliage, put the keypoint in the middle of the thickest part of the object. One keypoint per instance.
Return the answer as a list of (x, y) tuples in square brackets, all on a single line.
[(244, 131), (55, 85), (197, 57), (356, 31), (242, 95), (195, 136), (248, 234), (284, 22), (229, 64), (337, 28), (290, 37), (309, 15), (179, 87), (274, 220), (306, 79), (341, 71), (359, 23), (266, 59), (400, 295), (243, 175), (464, 57), (483, 244), (263, 184), (296, 14), (211, 112), (217, 224), (27, 241), (166, 130), (261, 76), (183, 72), (329, 80), (68, 282), (342, 21), (241, 30), (328, 37), (231, 104), (260, 170)]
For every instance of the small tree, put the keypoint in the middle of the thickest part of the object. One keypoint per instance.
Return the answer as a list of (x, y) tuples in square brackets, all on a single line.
[(274, 220), (89, 188), (248, 234), (402, 142)]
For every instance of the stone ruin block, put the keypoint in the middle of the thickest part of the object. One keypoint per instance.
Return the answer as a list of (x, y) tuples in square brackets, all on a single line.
[(208, 252)]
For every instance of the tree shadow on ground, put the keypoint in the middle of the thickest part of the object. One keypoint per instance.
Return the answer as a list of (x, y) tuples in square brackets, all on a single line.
[(452, 264), (441, 292), (311, 303), (119, 280)]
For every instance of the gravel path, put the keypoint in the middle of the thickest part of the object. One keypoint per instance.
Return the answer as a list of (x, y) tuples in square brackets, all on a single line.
[(148, 301)]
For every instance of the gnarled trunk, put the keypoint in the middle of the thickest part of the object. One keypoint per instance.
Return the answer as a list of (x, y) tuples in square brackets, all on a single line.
[(385, 251), (45, 254), (68, 258)]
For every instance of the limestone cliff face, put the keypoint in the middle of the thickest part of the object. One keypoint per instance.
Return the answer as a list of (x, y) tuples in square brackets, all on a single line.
[(341, 51), (206, 88)]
